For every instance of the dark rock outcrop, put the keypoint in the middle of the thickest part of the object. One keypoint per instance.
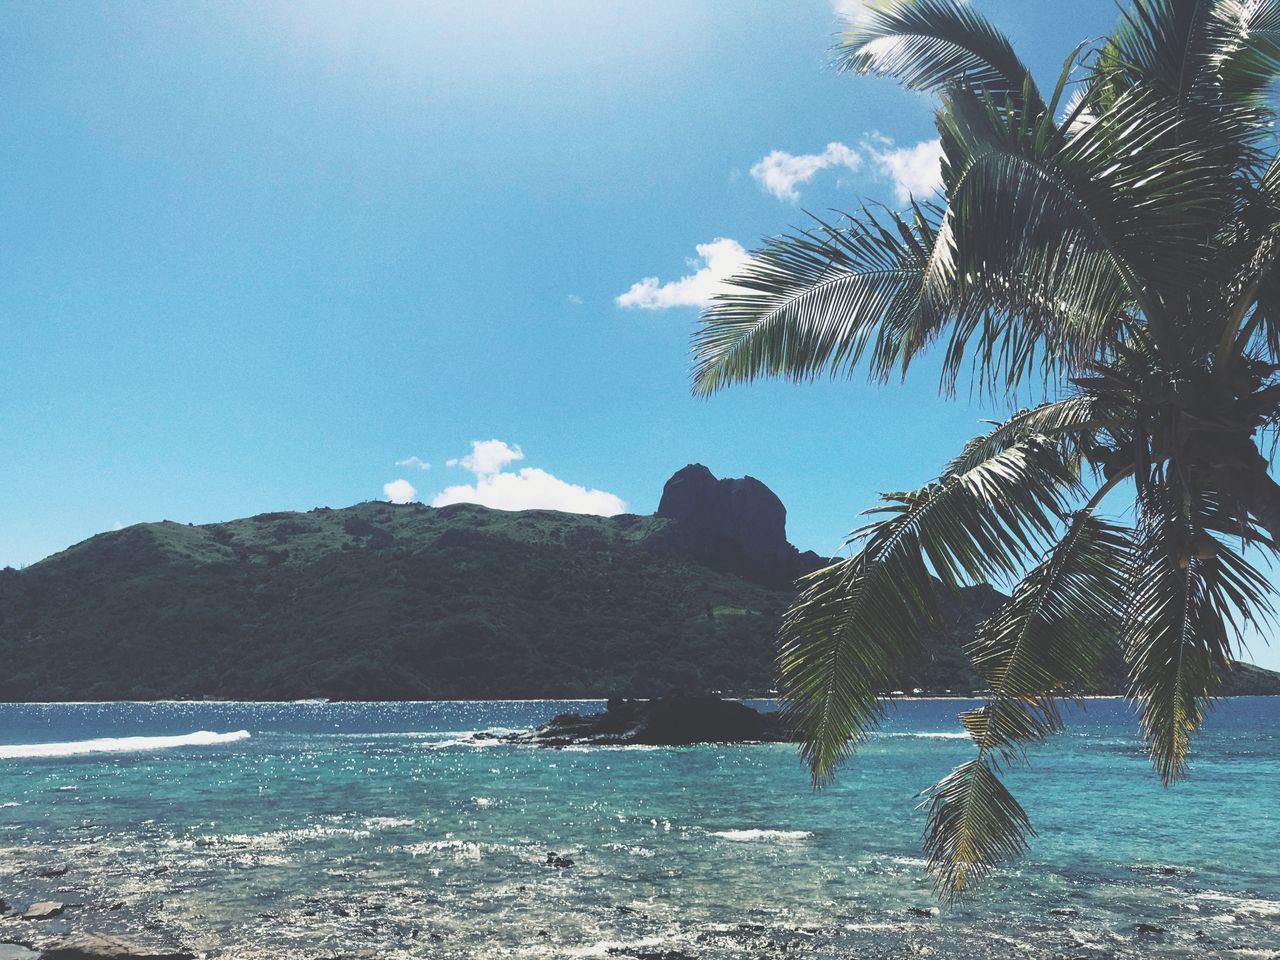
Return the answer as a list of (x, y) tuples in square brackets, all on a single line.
[(673, 720), (734, 525)]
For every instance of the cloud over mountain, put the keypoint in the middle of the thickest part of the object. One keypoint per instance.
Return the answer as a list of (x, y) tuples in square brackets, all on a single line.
[(529, 488)]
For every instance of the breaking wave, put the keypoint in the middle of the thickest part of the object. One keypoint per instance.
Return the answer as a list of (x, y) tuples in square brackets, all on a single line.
[(783, 835), (201, 738)]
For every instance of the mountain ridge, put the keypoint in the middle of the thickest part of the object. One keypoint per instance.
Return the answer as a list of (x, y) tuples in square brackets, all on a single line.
[(389, 601)]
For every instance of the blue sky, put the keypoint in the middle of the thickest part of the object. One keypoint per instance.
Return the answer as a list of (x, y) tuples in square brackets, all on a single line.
[(269, 256)]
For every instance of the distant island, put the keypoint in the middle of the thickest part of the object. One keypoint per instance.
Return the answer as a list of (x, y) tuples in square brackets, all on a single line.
[(379, 602)]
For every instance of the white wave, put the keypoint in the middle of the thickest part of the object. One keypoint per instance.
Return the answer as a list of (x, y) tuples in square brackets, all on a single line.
[(201, 738), (1243, 906), (388, 823), (612, 948), (948, 735), (780, 835)]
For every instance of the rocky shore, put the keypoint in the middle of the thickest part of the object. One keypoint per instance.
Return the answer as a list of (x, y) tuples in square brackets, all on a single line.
[(673, 720)]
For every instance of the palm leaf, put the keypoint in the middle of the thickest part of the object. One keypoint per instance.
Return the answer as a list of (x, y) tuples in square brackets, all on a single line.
[(1188, 588), (974, 824), (932, 44), (1050, 637), (1076, 417), (814, 302), (860, 619)]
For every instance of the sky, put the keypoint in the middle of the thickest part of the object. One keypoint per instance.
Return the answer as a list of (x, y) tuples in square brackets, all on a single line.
[(261, 256)]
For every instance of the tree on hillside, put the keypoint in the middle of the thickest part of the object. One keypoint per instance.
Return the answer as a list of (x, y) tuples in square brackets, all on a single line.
[(1116, 241)]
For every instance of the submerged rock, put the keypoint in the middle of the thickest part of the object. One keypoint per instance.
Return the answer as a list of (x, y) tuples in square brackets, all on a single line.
[(44, 910), (559, 861), (101, 946), (667, 721)]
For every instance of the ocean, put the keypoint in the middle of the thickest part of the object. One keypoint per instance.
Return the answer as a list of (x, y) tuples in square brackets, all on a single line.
[(326, 830)]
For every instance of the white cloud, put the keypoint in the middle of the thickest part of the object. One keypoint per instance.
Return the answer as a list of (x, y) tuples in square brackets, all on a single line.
[(850, 11), (399, 491), (487, 457), (574, 299), (528, 488), (915, 171), (780, 171), (531, 489), (717, 261), (414, 462)]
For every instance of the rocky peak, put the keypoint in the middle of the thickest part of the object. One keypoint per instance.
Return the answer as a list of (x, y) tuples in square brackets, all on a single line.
[(734, 525)]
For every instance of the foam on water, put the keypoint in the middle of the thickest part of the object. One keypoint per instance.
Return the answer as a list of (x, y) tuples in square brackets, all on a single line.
[(947, 735), (757, 834), (72, 748)]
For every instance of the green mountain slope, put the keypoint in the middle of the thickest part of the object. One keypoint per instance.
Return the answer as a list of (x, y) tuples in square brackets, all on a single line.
[(382, 601), (378, 601)]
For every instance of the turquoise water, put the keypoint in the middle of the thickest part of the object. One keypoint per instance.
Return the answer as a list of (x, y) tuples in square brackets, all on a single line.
[(332, 829)]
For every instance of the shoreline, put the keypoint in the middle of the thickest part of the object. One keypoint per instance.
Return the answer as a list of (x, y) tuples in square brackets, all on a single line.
[(320, 702)]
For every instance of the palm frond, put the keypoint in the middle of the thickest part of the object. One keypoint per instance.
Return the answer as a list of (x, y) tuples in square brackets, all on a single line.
[(813, 303), (860, 619), (1209, 61), (1049, 638), (1188, 589), (1076, 417), (1095, 222), (1052, 634), (1245, 53), (975, 824), (932, 44)]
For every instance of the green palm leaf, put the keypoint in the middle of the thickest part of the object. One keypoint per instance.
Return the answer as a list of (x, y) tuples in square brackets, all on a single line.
[(815, 302), (932, 44), (1186, 588), (1073, 418), (860, 619), (974, 823), (1049, 638)]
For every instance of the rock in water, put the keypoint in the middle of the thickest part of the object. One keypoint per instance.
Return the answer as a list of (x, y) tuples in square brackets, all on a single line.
[(672, 720), (736, 526), (101, 946), (44, 910)]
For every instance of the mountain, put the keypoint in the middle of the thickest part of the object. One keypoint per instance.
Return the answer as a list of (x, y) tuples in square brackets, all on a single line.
[(383, 601)]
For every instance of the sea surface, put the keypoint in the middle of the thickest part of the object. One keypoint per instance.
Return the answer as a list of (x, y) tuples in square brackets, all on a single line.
[(325, 830)]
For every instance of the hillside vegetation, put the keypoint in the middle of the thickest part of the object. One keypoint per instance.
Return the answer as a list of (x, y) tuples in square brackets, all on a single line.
[(380, 601)]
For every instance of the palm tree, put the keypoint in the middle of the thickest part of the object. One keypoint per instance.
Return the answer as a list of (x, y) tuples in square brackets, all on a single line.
[(1115, 244)]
